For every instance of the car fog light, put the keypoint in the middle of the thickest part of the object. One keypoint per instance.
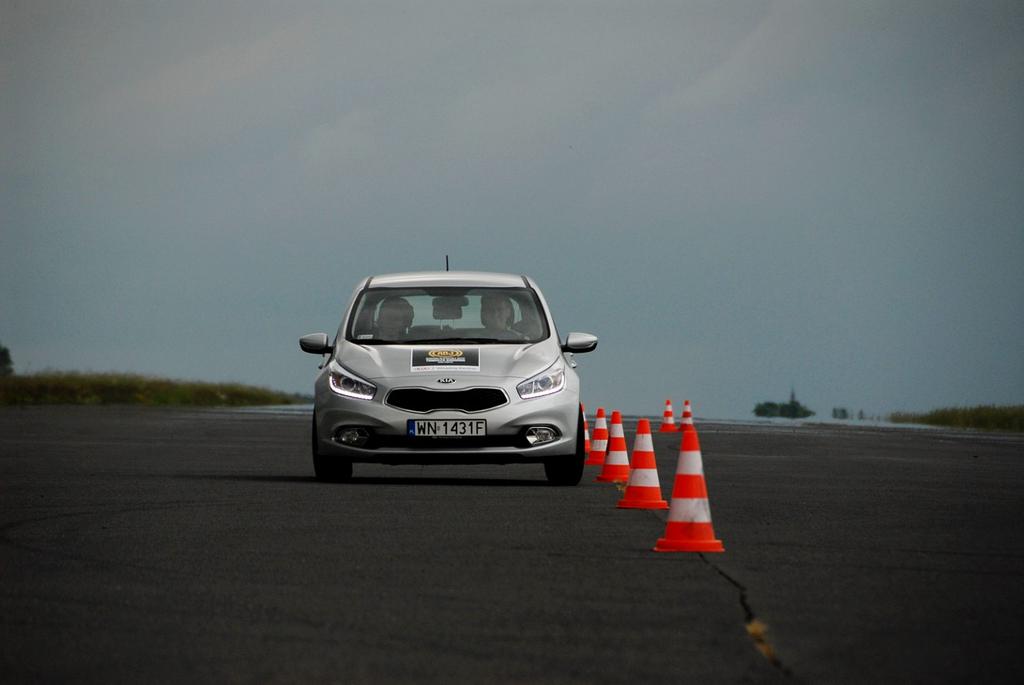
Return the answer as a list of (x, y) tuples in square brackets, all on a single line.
[(353, 437), (538, 435)]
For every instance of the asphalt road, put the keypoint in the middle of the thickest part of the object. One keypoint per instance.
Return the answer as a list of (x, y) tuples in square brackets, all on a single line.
[(167, 546)]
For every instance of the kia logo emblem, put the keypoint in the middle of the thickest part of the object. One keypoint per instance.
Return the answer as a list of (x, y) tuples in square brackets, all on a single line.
[(446, 381)]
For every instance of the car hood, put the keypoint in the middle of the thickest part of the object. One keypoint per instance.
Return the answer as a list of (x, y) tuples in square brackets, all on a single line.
[(374, 362)]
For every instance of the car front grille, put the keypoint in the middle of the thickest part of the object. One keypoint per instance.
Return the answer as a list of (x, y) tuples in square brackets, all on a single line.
[(421, 401)]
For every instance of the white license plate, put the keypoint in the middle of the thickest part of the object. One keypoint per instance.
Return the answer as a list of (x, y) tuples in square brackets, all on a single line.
[(458, 428)]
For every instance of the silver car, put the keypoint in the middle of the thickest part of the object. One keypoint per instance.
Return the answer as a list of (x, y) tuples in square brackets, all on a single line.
[(448, 367)]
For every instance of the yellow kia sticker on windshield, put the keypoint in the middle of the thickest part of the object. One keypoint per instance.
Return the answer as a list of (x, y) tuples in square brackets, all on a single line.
[(445, 359)]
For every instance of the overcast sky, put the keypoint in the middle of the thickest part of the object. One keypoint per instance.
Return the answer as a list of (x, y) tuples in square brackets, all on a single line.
[(737, 197)]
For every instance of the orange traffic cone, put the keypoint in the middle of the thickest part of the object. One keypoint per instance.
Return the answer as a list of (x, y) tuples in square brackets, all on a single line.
[(643, 491), (668, 419), (616, 463), (586, 431), (686, 421), (595, 457), (689, 516)]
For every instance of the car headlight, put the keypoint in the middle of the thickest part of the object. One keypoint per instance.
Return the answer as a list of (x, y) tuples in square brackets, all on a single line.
[(350, 385), (547, 382)]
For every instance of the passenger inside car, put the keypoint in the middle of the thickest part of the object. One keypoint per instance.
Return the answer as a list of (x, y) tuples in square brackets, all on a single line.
[(393, 319)]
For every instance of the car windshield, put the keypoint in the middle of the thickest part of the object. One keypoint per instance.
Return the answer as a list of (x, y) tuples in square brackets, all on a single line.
[(447, 315)]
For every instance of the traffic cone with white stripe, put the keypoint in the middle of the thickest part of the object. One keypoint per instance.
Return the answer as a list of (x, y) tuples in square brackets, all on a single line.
[(643, 491), (598, 446), (689, 516), (616, 462), (668, 419), (586, 430), (686, 421)]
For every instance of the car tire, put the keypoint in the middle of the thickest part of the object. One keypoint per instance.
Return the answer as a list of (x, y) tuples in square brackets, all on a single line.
[(568, 470), (326, 468)]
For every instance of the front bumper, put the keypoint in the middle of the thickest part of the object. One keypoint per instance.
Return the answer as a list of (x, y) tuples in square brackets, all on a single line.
[(505, 442)]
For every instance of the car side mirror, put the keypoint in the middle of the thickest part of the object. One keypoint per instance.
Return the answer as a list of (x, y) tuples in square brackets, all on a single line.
[(579, 343), (315, 343)]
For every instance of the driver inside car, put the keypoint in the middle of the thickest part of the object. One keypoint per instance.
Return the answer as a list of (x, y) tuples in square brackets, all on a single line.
[(497, 314)]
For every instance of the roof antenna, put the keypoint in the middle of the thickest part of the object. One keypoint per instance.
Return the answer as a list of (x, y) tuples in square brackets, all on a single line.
[(446, 262)]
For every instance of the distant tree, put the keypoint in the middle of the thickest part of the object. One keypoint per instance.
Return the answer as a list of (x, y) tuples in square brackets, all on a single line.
[(840, 413), (794, 410), (766, 409), (788, 410), (860, 415), (6, 368)]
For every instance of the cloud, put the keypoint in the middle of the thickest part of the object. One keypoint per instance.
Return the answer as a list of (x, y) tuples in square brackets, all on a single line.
[(784, 45), (351, 143), (185, 85)]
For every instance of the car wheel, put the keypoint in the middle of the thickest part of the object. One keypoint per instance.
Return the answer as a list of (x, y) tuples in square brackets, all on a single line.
[(568, 470), (327, 468)]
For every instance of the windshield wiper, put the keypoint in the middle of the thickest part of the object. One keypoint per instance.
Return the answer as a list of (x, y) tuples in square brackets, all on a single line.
[(431, 341)]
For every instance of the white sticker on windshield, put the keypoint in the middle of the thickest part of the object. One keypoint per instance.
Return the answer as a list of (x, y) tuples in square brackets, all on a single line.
[(445, 359)]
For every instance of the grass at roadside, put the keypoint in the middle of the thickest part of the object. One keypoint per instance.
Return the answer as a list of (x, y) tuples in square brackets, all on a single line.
[(65, 387), (1009, 418)]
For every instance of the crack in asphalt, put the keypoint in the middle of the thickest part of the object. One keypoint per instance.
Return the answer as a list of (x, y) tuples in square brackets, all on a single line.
[(757, 630)]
